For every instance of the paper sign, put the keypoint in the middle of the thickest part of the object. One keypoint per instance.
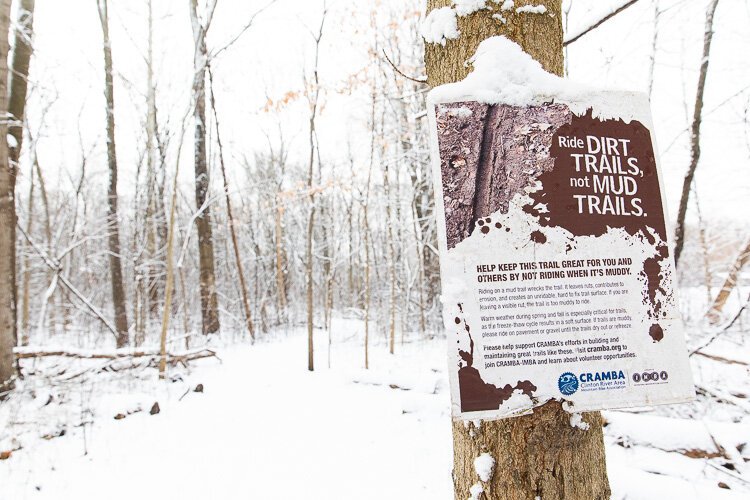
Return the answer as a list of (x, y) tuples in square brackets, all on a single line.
[(555, 257)]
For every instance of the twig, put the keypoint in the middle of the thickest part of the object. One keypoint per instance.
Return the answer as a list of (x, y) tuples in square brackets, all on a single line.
[(722, 329), (727, 471), (247, 26), (395, 68), (722, 396), (599, 22)]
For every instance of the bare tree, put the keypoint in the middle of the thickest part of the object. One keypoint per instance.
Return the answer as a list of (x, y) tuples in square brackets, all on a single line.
[(149, 235), (7, 225), (538, 455), (230, 216), (695, 132), (22, 48), (209, 299), (313, 96), (169, 283), (115, 264)]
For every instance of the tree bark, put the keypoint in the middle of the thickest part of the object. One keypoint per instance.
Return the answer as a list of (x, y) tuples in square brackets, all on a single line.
[(18, 80), (169, 285), (539, 35), (115, 264), (313, 101), (391, 260), (714, 313), (19, 74), (539, 455), (155, 223), (7, 225), (230, 217), (695, 133), (209, 300), (280, 255)]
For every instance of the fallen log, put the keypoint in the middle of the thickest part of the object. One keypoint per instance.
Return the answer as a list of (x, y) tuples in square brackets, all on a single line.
[(722, 359), (30, 352)]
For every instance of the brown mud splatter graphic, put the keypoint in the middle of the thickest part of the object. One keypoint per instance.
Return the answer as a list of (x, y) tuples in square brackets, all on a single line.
[(538, 237), (476, 394), (656, 332), (653, 273), (488, 154)]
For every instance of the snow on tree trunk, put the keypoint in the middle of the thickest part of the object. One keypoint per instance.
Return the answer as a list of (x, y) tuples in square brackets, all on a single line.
[(209, 300), (540, 35), (539, 455)]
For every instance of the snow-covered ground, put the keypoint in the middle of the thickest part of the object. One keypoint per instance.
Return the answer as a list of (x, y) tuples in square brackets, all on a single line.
[(265, 427)]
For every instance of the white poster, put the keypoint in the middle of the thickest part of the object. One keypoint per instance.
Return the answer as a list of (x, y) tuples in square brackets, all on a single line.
[(555, 257)]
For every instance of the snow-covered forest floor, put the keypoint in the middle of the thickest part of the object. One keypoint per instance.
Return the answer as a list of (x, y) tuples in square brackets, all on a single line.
[(265, 427)]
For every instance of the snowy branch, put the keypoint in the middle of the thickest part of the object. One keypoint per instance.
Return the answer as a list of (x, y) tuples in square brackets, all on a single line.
[(591, 27)]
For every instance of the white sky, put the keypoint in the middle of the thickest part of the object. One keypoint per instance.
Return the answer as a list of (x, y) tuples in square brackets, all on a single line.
[(272, 57)]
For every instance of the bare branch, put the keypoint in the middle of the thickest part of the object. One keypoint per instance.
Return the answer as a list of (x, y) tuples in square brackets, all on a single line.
[(395, 68), (592, 27), (234, 40)]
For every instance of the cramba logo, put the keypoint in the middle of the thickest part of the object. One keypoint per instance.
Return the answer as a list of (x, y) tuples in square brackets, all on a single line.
[(599, 376), (567, 383)]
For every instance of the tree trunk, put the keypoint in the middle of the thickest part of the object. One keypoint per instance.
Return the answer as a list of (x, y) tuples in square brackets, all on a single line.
[(19, 74), (209, 300), (115, 264), (26, 280), (280, 256), (230, 217), (391, 260), (7, 225), (309, 285), (156, 216), (313, 101), (695, 133), (366, 230), (18, 80), (714, 313), (539, 455), (169, 285), (539, 35)]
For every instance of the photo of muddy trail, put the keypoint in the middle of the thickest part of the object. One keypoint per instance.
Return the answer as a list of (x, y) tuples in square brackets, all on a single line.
[(489, 153)]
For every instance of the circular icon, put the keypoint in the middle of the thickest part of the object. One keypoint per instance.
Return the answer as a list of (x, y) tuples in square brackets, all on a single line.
[(636, 377), (664, 375), (567, 383)]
